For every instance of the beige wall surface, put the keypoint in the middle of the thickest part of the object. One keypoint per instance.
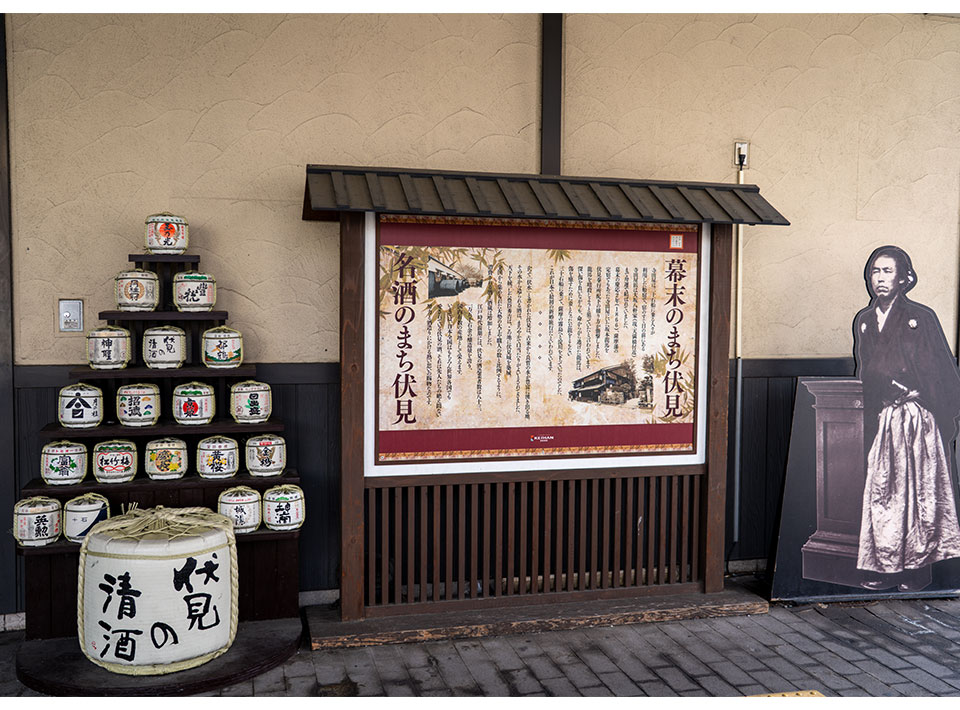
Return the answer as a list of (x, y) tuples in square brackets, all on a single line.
[(214, 117), (854, 127)]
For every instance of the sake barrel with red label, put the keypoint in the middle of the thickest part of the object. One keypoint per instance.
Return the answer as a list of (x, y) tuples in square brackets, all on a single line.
[(158, 590), (193, 403), (266, 455), (166, 233), (115, 461)]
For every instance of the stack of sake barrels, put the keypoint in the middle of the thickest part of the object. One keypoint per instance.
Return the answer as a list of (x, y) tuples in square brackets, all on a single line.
[(40, 520)]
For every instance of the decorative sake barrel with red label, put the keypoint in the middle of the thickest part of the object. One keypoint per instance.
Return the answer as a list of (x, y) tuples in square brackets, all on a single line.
[(193, 403), (166, 233)]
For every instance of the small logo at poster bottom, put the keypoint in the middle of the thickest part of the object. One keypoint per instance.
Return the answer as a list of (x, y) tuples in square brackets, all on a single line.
[(541, 438), (676, 241)]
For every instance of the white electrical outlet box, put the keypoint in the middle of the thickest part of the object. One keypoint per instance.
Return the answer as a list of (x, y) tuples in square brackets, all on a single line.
[(741, 148), (70, 315)]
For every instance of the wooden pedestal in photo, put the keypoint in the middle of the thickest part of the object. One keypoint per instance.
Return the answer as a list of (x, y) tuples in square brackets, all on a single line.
[(830, 555)]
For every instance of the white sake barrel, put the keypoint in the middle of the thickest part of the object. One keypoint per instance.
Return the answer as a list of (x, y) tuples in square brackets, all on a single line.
[(284, 507), (165, 459), (218, 457), (242, 506), (137, 290), (194, 291), (36, 521), (138, 404), (109, 348), (115, 461), (193, 403), (164, 347), (266, 455), (63, 463), (80, 406), (157, 590), (166, 233), (222, 347), (80, 514), (251, 402)]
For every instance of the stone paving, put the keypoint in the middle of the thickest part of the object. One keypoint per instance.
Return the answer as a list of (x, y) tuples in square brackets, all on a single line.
[(890, 648)]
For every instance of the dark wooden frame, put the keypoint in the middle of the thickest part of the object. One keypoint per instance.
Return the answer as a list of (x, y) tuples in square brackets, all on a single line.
[(551, 92), (354, 487), (8, 589)]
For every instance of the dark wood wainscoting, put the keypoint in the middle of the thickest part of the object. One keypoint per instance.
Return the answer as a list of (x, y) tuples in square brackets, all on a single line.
[(307, 400)]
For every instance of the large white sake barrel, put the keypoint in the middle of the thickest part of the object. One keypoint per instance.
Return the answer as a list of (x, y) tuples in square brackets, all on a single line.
[(157, 591)]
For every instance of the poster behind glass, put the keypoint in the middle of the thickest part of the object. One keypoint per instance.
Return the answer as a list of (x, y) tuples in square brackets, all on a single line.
[(514, 340)]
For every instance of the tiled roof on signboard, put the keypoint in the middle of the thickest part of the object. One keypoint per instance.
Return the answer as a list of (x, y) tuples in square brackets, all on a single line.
[(335, 188)]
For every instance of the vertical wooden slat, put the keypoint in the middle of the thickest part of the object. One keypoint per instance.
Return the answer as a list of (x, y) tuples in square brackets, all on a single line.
[(648, 527), (584, 540), (662, 547), (498, 553), (385, 494), (351, 415), (617, 530), (536, 525), (674, 520), (547, 533), (411, 538), (423, 542), (436, 543), (685, 530), (568, 528), (718, 366), (485, 577), (448, 546), (511, 534), (461, 541), (631, 531), (596, 524), (475, 528), (606, 521), (521, 539), (695, 557), (397, 544), (371, 544)]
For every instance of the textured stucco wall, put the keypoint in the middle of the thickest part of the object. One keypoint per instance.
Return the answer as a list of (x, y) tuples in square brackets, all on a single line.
[(854, 125), (214, 117)]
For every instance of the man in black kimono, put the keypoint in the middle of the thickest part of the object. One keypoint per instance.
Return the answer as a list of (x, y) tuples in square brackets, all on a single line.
[(911, 399)]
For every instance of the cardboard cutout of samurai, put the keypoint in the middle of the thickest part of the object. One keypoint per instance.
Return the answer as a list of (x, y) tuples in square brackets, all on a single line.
[(869, 508), (911, 400)]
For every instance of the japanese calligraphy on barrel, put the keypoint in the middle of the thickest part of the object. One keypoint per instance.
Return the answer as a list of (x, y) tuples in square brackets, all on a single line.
[(164, 347), (108, 348), (136, 290), (165, 459), (157, 590), (114, 461), (193, 403), (36, 521), (166, 233), (284, 507), (138, 404), (251, 402), (217, 457), (80, 406), (194, 291), (266, 455), (242, 505), (80, 514), (63, 463), (222, 347)]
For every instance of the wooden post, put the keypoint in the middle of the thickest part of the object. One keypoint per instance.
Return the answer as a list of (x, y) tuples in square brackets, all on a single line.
[(351, 421), (714, 492)]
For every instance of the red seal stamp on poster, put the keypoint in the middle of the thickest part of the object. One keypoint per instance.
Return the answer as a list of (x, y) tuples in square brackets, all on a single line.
[(676, 241)]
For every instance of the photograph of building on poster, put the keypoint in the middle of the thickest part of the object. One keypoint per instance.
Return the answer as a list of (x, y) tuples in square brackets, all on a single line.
[(506, 340)]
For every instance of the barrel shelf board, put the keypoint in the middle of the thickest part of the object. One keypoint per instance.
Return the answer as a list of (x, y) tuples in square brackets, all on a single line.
[(57, 666), (162, 316), (141, 373), (144, 484), (53, 430), (164, 258), (65, 547)]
